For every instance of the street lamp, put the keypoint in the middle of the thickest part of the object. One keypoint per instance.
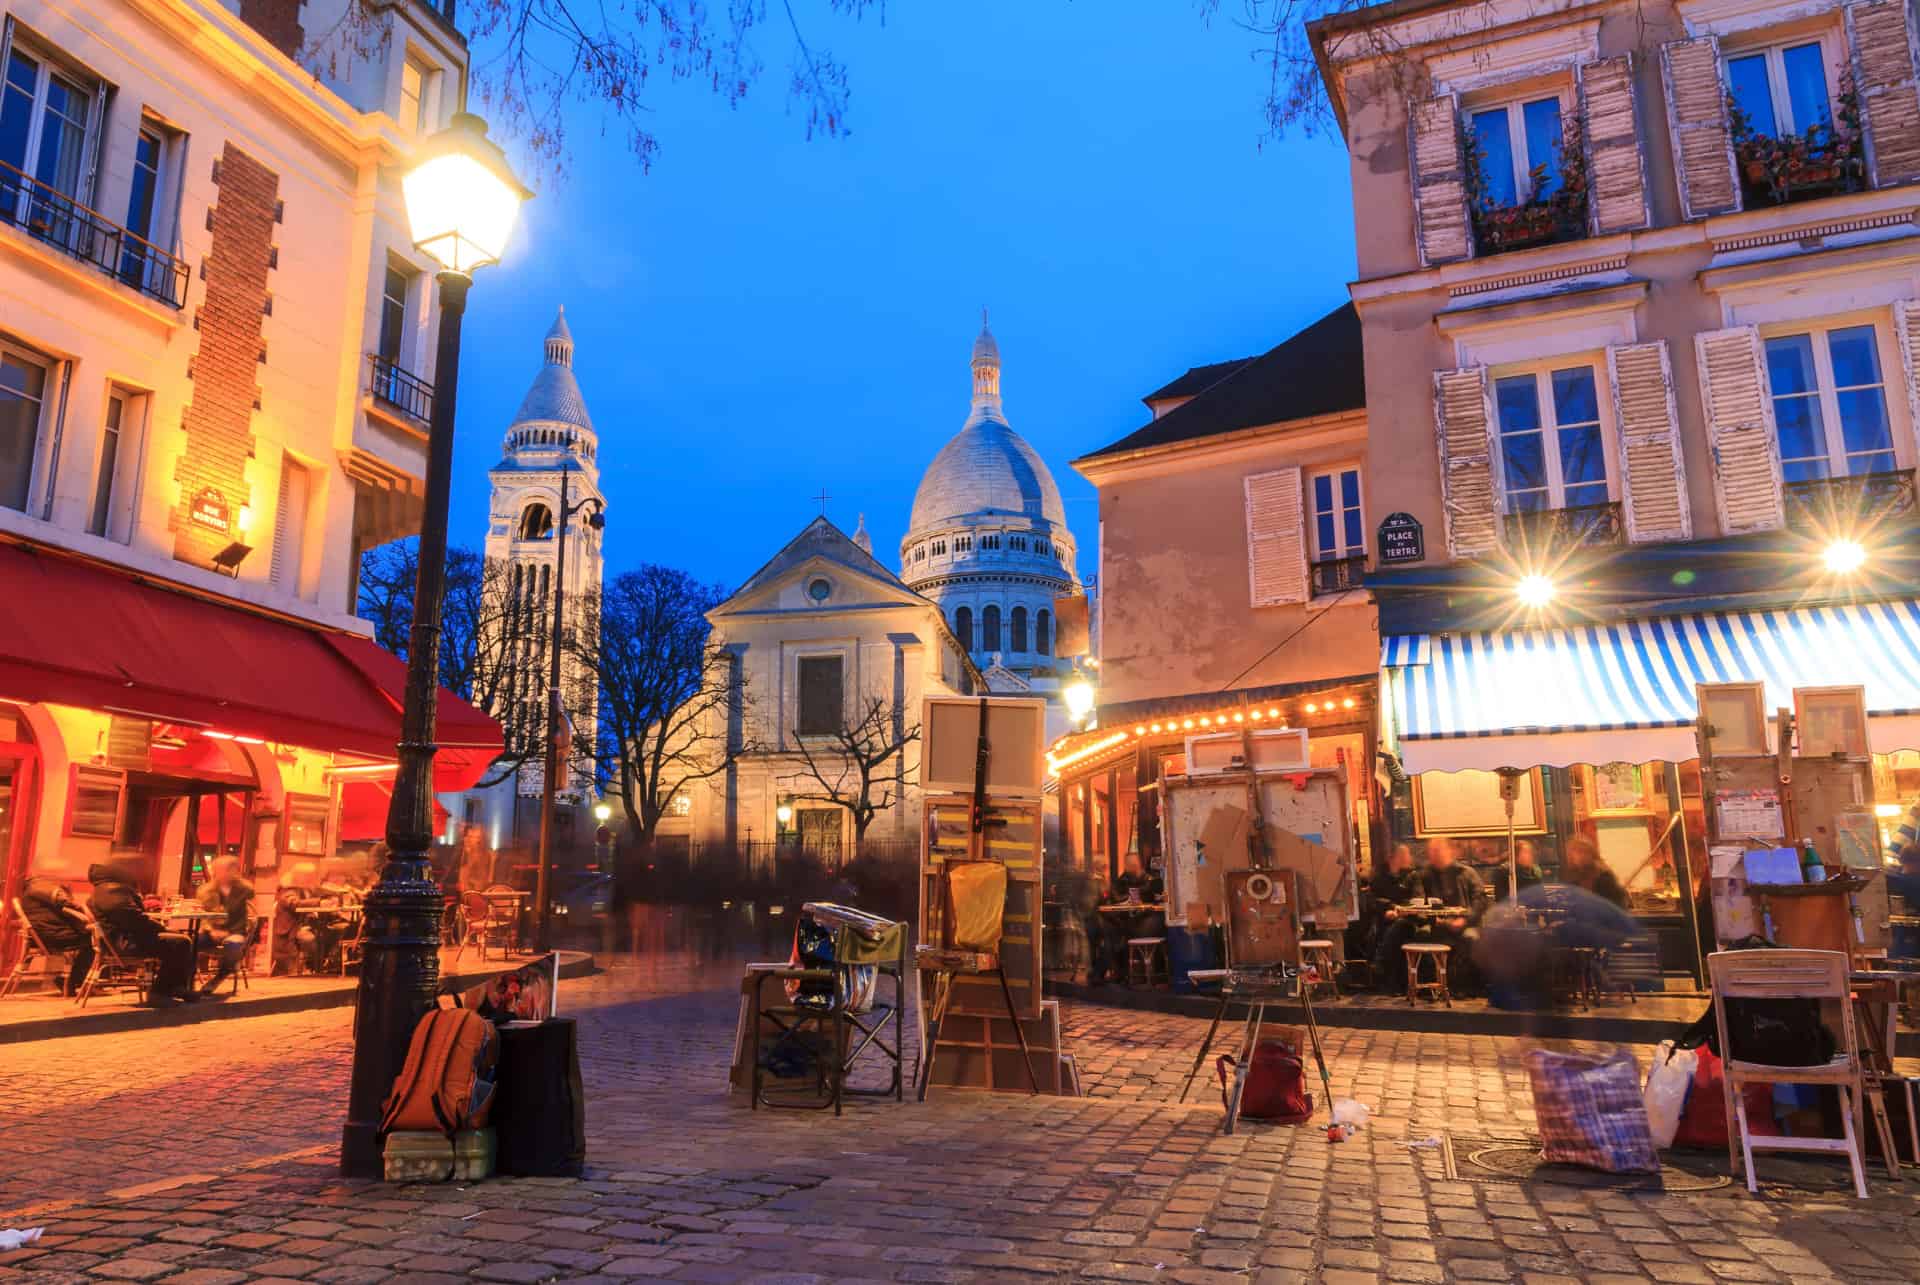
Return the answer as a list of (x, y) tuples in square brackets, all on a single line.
[(556, 714), (462, 198), (1535, 591), (601, 812), (1844, 557), (1079, 696)]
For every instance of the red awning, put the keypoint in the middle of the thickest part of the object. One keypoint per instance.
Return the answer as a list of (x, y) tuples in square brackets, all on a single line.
[(80, 633), (363, 808)]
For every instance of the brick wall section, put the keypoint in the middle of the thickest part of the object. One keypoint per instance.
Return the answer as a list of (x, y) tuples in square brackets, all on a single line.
[(219, 418), (278, 21)]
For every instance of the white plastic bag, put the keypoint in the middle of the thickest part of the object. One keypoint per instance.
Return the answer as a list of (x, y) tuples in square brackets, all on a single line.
[(1666, 1091), (1350, 1113)]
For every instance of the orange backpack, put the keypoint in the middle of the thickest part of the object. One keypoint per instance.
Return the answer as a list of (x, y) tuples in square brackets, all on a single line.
[(446, 1084)]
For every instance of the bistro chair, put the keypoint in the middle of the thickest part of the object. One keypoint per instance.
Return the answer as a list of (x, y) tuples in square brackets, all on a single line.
[(32, 950), (1791, 974), (1317, 953), (1436, 985), (1146, 960), (973, 908), (353, 945), (113, 971), (480, 917)]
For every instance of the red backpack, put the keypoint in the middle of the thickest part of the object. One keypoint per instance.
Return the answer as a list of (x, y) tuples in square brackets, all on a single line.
[(1276, 1085)]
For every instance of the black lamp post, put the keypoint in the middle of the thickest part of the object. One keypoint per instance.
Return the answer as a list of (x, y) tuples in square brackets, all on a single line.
[(461, 199), (556, 713)]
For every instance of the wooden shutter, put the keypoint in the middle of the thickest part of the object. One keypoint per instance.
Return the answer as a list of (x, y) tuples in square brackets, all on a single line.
[(1885, 55), (1697, 120), (1746, 454), (1906, 331), (822, 702), (1653, 479), (1276, 538), (1616, 162), (1463, 417), (1439, 180)]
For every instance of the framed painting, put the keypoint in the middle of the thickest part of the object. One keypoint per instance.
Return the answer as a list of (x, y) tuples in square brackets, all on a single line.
[(1616, 789), (1449, 803)]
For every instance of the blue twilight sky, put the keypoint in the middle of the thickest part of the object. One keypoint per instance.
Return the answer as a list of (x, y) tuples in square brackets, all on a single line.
[(762, 316)]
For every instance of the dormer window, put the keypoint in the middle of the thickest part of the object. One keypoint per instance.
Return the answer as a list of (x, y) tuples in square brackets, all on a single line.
[(1518, 147)]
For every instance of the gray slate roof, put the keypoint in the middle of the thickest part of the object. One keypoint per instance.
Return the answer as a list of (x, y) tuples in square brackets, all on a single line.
[(1318, 371)]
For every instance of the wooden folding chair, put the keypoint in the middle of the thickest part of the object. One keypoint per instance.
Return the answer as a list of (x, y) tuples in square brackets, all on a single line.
[(972, 951), (1819, 975)]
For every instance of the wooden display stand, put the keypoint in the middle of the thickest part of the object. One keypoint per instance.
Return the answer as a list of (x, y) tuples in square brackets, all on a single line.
[(1016, 845), (979, 1051)]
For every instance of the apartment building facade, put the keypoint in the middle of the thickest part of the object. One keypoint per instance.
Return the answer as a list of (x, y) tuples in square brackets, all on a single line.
[(1640, 286), (216, 374)]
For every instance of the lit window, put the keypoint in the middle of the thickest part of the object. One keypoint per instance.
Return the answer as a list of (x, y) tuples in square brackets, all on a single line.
[(1829, 403), (1339, 530), (1552, 452), (681, 805), (1782, 90), (1518, 146)]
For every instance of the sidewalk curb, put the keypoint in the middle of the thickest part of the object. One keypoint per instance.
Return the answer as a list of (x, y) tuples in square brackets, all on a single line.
[(68, 1023)]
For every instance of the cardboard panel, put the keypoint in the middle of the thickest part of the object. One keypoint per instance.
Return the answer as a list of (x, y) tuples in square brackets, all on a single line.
[(1261, 924)]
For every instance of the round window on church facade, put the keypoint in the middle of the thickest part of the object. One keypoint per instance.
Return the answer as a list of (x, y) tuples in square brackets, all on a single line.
[(819, 590)]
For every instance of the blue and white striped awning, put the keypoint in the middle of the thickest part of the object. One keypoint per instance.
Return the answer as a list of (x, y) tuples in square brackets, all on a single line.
[(1605, 693)]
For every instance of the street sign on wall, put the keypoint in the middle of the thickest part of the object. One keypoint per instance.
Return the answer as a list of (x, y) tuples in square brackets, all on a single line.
[(1402, 539)]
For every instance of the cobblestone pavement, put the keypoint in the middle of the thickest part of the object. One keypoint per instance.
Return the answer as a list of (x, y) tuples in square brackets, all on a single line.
[(219, 1140)]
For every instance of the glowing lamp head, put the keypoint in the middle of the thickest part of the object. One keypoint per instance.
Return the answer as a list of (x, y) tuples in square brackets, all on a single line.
[(1534, 591), (1844, 557), (784, 813), (601, 812), (1079, 697), (462, 196)]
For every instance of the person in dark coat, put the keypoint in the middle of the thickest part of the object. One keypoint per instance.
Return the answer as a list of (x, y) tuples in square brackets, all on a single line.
[(228, 893), (60, 924), (1393, 883), (1525, 865), (123, 917)]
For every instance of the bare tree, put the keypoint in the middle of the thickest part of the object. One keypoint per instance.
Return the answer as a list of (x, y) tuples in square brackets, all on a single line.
[(861, 765), (476, 625), (672, 711)]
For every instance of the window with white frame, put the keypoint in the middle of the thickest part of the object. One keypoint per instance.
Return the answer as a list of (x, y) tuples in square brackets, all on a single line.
[(113, 483), (23, 394), (1339, 527), (1829, 402), (413, 95), (1552, 446), (46, 116), (1517, 147), (1781, 90), (152, 207)]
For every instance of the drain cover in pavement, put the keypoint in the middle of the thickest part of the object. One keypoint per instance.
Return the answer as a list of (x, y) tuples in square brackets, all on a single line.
[(1522, 1162)]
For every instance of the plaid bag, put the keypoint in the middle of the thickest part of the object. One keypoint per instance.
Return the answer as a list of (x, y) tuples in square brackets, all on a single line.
[(1591, 1112)]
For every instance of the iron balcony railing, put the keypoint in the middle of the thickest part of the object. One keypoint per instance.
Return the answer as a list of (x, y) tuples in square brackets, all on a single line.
[(1844, 503), (53, 218), (1538, 530), (1336, 575), (401, 389)]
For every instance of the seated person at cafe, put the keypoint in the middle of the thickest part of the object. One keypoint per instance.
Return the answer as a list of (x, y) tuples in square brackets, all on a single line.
[(303, 930), (1114, 927), (122, 916), (60, 924), (1446, 881), (227, 892), (1391, 884), (1905, 884), (1584, 869), (1525, 864)]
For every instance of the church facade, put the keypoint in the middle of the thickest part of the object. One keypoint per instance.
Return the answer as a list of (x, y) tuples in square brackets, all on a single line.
[(830, 658)]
